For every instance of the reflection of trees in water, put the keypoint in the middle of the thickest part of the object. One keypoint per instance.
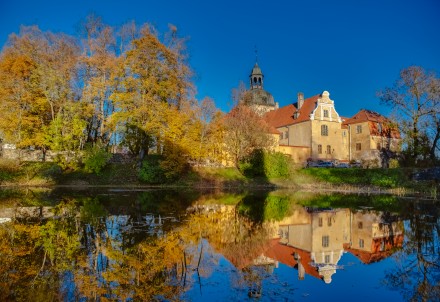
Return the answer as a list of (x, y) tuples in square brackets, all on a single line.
[(87, 253), (417, 275), (33, 256), (263, 207), (97, 250), (91, 252)]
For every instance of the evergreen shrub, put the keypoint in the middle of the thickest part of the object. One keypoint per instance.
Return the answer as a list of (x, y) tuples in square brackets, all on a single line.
[(68, 160), (151, 171), (265, 164), (95, 159)]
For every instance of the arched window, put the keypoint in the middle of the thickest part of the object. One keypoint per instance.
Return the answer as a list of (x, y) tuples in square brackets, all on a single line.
[(324, 130), (259, 81), (255, 79)]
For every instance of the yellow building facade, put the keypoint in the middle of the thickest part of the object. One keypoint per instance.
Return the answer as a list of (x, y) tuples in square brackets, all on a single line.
[(311, 129)]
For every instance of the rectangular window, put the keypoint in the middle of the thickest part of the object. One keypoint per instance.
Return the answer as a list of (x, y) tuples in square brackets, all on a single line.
[(320, 221), (324, 130), (358, 147), (327, 259), (325, 113), (319, 149), (378, 146), (286, 134), (359, 129), (329, 221), (344, 134), (361, 243), (329, 149), (360, 225), (325, 241)]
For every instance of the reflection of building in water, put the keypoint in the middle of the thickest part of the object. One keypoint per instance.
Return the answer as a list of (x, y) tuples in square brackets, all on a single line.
[(374, 236), (314, 244), (310, 240), (319, 242)]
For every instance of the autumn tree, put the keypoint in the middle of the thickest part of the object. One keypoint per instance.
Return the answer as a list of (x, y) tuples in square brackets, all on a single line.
[(36, 72), (153, 96), (240, 95), (23, 109), (129, 85), (415, 101), (205, 113), (216, 132), (245, 132), (97, 70)]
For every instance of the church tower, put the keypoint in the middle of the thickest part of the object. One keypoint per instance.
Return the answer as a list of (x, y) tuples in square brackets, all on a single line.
[(256, 77), (257, 98)]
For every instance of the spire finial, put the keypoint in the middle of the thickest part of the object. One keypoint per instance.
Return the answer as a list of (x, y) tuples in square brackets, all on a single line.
[(256, 54)]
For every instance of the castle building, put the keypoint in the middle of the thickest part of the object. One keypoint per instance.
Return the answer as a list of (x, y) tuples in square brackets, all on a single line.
[(312, 129), (370, 134)]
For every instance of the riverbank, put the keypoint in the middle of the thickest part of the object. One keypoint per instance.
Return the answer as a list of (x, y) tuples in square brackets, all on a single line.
[(125, 175)]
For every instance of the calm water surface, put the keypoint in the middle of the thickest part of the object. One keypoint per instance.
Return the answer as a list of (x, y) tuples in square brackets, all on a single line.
[(115, 245)]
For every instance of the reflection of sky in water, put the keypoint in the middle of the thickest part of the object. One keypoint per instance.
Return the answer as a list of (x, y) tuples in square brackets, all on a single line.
[(355, 281), (228, 267)]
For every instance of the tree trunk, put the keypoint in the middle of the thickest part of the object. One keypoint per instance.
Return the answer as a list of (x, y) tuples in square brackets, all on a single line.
[(434, 143)]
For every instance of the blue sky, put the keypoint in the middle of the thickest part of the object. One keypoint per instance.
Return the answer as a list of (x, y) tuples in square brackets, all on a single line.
[(350, 48)]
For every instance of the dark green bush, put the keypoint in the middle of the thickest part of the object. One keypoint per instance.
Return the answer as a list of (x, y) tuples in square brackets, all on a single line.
[(95, 159), (52, 171), (68, 160), (276, 164), (151, 170), (265, 164), (246, 168), (174, 162)]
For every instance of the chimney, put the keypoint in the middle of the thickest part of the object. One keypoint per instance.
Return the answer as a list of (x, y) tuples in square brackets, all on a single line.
[(300, 100)]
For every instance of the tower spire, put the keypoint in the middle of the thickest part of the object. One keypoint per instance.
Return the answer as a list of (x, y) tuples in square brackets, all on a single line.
[(256, 77), (256, 54)]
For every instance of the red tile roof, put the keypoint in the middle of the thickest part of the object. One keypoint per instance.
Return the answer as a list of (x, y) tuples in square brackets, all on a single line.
[(390, 245), (366, 115), (285, 254), (284, 115), (373, 118)]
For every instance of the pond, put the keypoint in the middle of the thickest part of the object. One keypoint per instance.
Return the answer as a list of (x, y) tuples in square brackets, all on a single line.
[(162, 245)]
